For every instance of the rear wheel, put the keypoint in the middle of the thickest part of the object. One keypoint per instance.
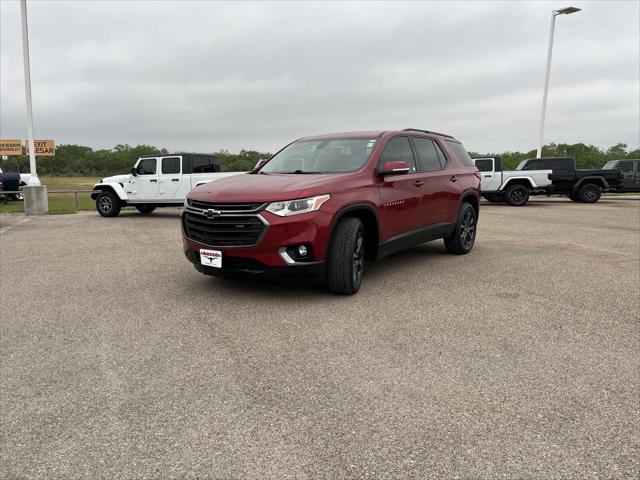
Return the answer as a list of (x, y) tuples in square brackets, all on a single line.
[(464, 236), (589, 193), (517, 195), (18, 197), (345, 262), (145, 208), (494, 197), (108, 204)]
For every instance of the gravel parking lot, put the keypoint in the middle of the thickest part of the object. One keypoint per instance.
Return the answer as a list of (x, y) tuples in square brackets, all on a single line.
[(520, 360)]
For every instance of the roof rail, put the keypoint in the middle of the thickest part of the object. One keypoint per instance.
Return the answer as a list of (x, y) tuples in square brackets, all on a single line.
[(427, 131)]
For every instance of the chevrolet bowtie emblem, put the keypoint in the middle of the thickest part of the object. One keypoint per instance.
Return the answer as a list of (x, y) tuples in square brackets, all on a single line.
[(210, 213)]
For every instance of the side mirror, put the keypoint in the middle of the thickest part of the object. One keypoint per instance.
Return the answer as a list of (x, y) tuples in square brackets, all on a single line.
[(394, 168), (134, 172)]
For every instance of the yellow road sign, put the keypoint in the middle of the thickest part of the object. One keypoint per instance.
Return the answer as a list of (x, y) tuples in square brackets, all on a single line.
[(45, 148), (10, 147)]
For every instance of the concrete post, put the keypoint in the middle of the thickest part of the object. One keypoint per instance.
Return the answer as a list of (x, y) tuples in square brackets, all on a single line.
[(36, 201)]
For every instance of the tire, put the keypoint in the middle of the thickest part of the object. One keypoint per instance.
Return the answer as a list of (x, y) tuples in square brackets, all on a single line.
[(146, 209), (494, 197), (18, 197), (464, 236), (3, 198), (517, 195), (345, 262), (589, 193), (108, 204)]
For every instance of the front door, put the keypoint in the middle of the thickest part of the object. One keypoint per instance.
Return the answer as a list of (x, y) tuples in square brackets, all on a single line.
[(402, 196), (629, 180), (144, 186), (170, 179)]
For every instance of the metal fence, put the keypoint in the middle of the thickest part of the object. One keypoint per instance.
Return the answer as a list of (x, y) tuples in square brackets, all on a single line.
[(75, 194)]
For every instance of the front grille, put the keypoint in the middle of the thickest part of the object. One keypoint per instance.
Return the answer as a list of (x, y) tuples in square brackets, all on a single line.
[(224, 230), (226, 207)]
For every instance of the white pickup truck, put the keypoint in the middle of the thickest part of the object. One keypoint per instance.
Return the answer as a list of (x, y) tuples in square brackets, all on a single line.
[(513, 187), (156, 181)]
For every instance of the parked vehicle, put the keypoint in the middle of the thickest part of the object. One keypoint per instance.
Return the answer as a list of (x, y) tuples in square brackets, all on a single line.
[(13, 182), (579, 185), (514, 187), (322, 205), (630, 169), (156, 181)]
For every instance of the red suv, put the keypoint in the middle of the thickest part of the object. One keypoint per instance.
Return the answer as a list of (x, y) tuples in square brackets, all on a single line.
[(324, 204)]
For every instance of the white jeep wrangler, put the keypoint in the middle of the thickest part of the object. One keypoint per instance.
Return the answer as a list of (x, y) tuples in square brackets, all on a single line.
[(156, 181), (513, 187)]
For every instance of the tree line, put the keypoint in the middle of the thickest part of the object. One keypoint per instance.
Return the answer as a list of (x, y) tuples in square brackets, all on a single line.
[(78, 160)]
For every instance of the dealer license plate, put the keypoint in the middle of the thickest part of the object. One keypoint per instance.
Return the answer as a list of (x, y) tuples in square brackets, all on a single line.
[(211, 258)]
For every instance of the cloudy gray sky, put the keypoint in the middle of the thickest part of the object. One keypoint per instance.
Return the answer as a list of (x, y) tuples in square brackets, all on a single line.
[(205, 76)]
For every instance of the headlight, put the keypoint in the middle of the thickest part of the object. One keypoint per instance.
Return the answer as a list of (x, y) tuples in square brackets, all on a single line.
[(293, 207)]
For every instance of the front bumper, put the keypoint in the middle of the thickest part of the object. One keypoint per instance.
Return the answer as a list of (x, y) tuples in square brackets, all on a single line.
[(265, 257)]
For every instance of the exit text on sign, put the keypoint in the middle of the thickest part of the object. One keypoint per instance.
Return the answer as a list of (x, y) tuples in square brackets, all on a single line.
[(42, 147)]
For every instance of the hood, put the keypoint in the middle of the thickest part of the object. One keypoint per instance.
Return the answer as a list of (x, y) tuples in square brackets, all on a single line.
[(116, 179), (265, 188)]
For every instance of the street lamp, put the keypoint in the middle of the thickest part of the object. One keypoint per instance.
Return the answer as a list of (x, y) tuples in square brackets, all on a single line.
[(554, 13), (33, 179)]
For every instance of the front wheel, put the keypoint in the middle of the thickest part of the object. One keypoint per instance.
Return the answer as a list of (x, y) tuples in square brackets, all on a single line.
[(517, 195), (146, 209), (345, 262), (108, 204), (464, 236), (589, 193)]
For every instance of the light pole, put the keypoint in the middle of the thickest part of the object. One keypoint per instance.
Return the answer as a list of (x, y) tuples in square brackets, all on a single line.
[(35, 194), (554, 13), (33, 180)]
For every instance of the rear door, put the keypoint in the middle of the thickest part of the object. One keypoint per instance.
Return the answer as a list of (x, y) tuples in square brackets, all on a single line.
[(403, 197), (490, 180), (433, 165), (170, 178)]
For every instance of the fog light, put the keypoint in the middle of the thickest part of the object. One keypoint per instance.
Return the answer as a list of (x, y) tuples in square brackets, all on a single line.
[(302, 251)]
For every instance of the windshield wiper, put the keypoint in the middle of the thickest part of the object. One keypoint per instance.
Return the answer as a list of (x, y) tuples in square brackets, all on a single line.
[(302, 172)]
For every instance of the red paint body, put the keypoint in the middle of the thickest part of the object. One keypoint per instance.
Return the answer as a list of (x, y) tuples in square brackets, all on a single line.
[(401, 203)]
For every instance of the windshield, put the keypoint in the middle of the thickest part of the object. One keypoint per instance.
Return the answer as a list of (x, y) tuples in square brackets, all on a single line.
[(322, 156), (609, 165)]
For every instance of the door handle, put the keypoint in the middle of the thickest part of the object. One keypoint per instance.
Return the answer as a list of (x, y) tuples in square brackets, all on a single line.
[(153, 180), (175, 179), (488, 176), (418, 183), (453, 178)]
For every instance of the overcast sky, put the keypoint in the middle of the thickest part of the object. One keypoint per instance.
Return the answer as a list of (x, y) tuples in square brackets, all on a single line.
[(207, 76)]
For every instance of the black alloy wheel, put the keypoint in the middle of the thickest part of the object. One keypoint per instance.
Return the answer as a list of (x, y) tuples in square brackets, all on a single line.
[(463, 237)]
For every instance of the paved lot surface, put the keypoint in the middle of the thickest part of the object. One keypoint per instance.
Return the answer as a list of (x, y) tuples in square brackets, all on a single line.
[(521, 360)]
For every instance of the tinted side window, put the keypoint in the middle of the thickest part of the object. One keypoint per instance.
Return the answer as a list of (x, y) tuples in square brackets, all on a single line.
[(534, 165), (428, 160), (204, 165), (398, 149), (171, 165), (461, 153), (441, 156), (147, 166), (626, 167), (485, 164), (561, 165)]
